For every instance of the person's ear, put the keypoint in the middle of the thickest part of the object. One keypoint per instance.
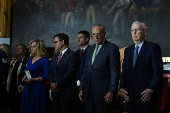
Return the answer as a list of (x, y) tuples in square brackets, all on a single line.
[(144, 32), (87, 39), (62, 42)]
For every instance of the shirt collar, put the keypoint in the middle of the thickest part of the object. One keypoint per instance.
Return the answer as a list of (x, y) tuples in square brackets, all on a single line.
[(140, 45), (85, 48), (64, 51)]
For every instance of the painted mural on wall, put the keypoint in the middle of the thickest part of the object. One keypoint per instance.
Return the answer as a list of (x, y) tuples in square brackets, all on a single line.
[(32, 19)]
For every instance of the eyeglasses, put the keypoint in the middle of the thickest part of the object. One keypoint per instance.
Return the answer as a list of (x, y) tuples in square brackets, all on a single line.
[(136, 30), (55, 42), (96, 34)]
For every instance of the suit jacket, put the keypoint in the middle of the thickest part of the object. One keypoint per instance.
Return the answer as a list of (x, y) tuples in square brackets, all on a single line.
[(64, 75), (101, 77), (82, 60), (147, 72), (20, 73)]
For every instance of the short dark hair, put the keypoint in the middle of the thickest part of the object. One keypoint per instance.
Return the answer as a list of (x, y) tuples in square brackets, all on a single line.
[(62, 36), (85, 33)]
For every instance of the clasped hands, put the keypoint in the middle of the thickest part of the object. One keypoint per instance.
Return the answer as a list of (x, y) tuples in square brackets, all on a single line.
[(54, 88), (108, 97), (146, 94)]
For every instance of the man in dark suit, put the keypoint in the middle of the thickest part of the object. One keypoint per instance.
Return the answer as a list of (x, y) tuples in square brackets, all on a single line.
[(83, 41), (99, 82), (62, 76), (142, 72)]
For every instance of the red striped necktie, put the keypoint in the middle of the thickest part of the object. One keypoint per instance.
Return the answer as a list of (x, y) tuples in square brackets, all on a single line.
[(59, 57), (81, 52)]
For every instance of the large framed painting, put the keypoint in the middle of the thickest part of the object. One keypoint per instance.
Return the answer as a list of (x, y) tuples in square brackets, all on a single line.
[(42, 19)]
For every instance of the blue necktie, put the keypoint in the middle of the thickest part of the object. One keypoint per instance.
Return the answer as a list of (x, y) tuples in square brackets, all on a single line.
[(135, 55)]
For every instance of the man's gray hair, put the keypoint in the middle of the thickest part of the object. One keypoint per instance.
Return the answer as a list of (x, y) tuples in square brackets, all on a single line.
[(142, 25), (101, 25)]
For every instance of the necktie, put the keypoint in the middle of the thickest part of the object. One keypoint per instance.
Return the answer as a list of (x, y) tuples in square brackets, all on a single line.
[(135, 55), (81, 52), (94, 54), (59, 57)]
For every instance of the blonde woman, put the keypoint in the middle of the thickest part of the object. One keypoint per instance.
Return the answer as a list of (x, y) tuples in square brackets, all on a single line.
[(34, 92)]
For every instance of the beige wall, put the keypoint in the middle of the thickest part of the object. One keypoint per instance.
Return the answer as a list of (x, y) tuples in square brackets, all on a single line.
[(5, 18)]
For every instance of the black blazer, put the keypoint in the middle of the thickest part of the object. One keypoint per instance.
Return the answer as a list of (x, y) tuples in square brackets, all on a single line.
[(147, 72), (82, 60), (101, 77), (64, 75), (22, 73)]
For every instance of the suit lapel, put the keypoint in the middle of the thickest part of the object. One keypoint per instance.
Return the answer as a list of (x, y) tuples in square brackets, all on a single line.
[(63, 57), (141, 53), (91, 53), (130, 54), (83, 54), (102, 49), (55, 60)]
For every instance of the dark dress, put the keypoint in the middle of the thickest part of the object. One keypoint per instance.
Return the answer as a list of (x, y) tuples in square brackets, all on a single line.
[(34, 99)]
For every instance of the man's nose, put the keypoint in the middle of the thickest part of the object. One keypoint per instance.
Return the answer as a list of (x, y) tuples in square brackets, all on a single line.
[(134, 32)]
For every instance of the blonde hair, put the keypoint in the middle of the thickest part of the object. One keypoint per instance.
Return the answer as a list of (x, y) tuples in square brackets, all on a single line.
[(41, 51), (8, 52)]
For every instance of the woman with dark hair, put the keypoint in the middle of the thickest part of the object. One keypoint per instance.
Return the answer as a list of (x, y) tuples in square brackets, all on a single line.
[(14, 80), (34, 99)]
